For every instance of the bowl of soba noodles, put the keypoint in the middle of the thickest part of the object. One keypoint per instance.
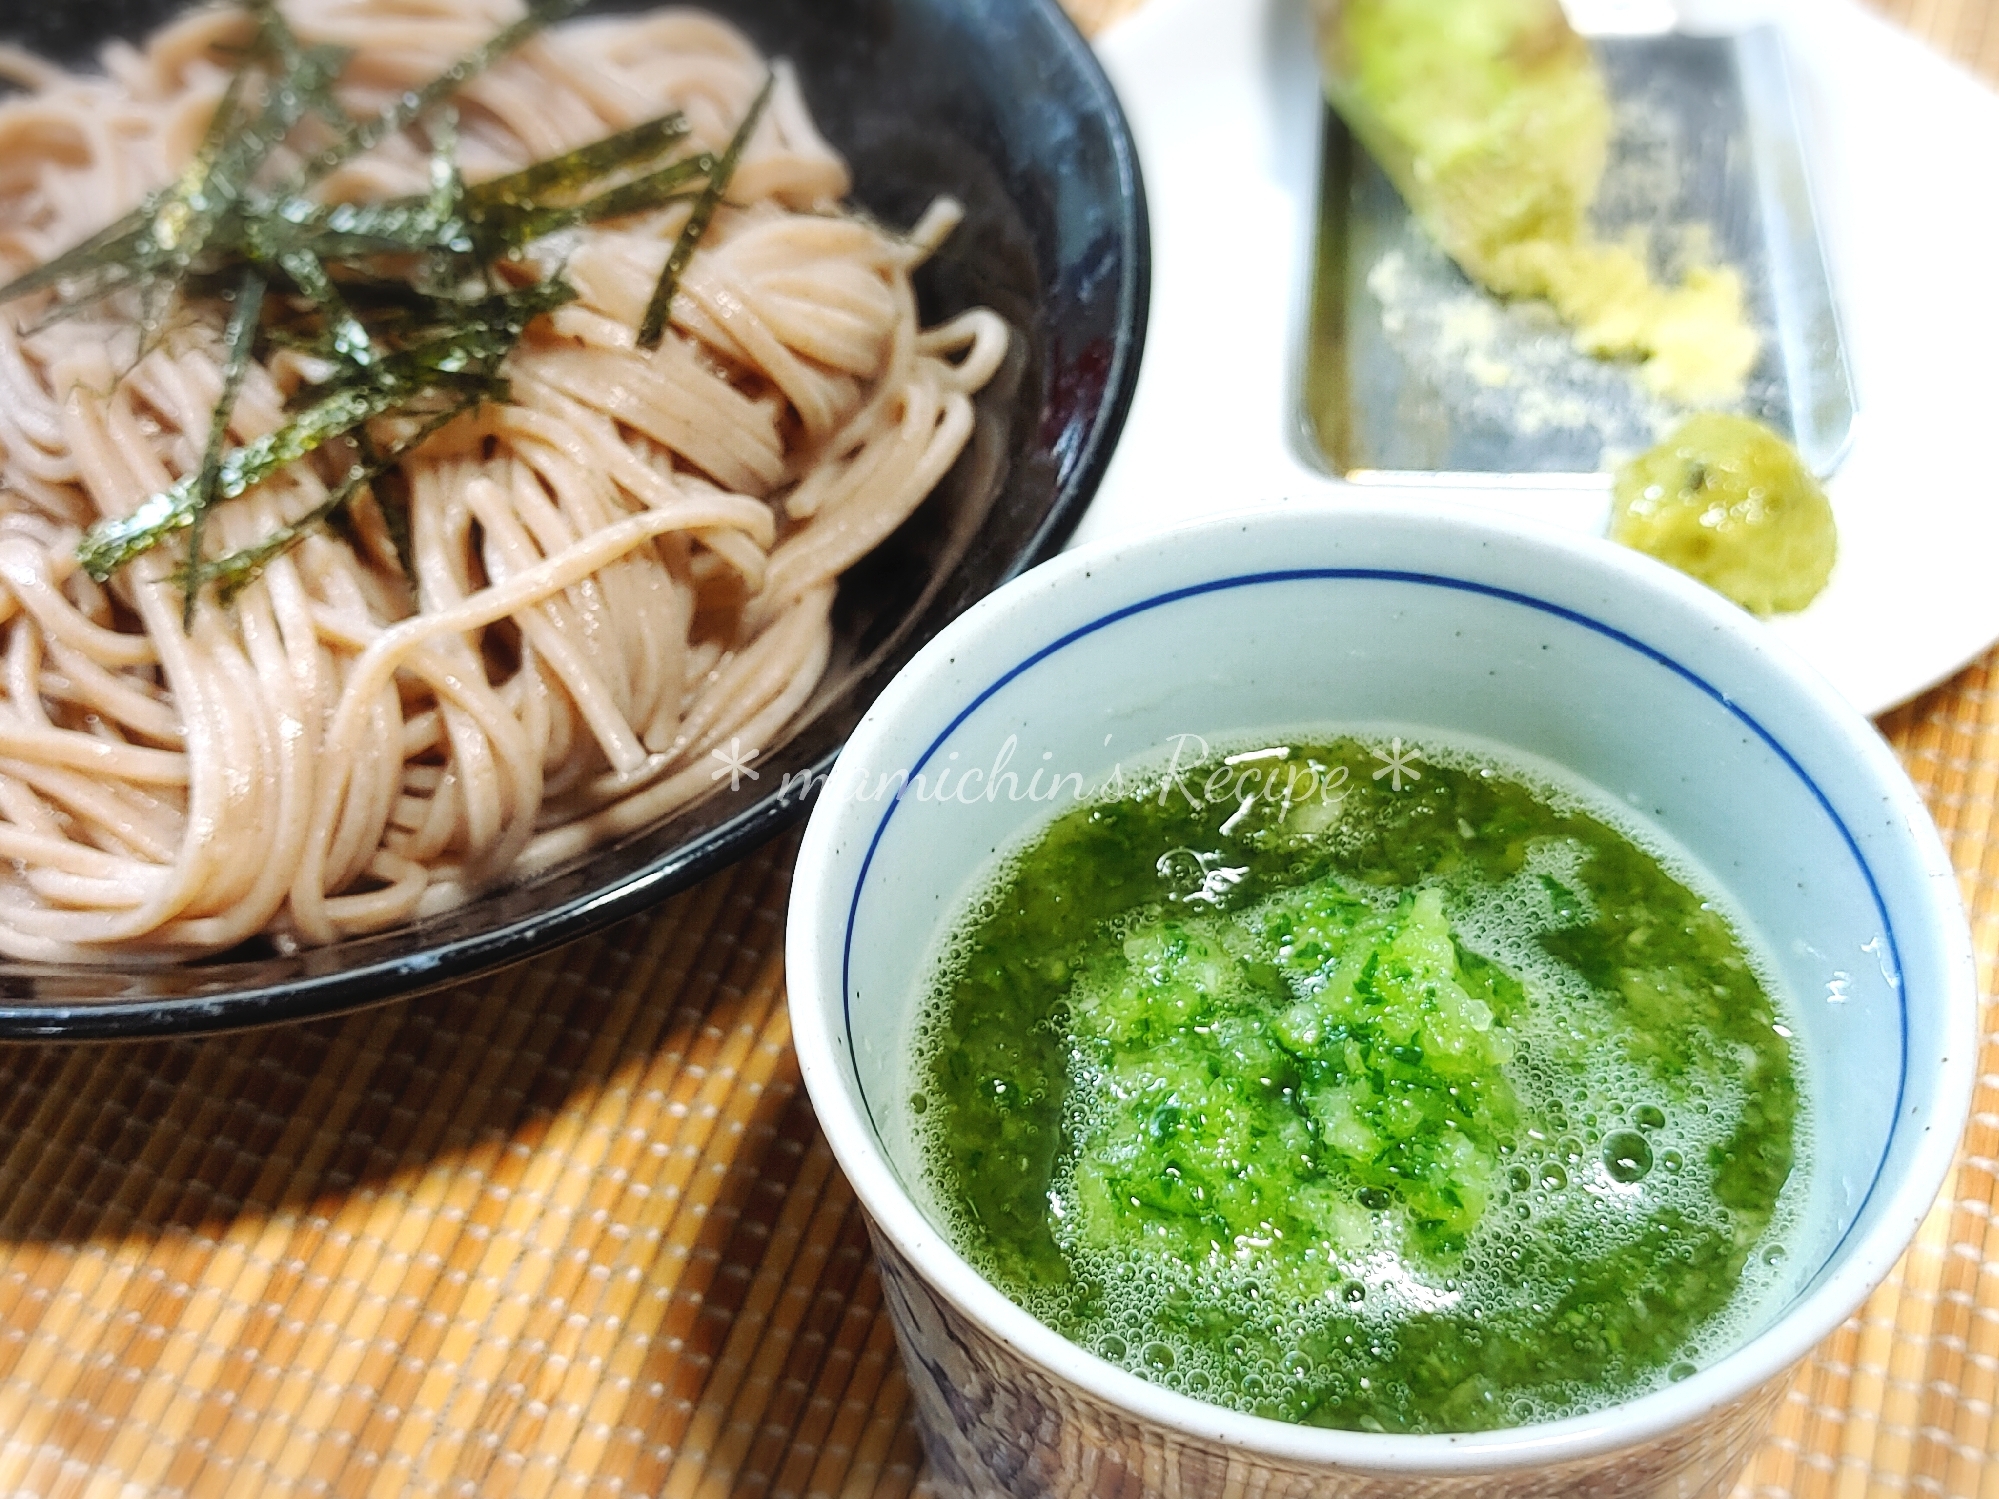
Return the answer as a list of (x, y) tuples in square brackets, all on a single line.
[(465, 467)]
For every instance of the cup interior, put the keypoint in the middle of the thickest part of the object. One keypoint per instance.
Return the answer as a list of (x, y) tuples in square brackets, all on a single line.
[(1415, 623)]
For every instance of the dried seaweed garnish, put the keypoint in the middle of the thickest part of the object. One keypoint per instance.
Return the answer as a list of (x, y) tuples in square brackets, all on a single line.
[(418, 102), (390, 487), (237, 570), (412, 304), (466, 356), (531, 187), (653, 326), (167, 237), (236, 346)]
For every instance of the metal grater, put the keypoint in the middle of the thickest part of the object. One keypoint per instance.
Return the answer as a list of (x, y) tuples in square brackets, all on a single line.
[(1414, 375)]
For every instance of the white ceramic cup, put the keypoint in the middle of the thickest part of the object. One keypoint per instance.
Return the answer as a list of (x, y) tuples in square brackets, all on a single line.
[(1427, 618)]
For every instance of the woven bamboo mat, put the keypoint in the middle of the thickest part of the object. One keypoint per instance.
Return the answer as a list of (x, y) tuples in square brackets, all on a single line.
[(573, 1230)]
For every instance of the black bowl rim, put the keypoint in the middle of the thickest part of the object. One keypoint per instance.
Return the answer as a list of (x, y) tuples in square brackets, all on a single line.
[(432, 968)]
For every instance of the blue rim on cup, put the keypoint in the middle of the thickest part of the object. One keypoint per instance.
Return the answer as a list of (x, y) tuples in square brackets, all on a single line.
[(1423, 617)]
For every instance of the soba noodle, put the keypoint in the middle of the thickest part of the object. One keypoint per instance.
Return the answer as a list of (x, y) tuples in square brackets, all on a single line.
[(627, 567)]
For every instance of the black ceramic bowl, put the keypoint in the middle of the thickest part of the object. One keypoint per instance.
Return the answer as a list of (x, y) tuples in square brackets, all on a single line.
[(996, 102)]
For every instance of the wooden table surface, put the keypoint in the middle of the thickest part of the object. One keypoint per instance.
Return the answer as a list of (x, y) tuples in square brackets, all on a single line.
[(573, 1229)]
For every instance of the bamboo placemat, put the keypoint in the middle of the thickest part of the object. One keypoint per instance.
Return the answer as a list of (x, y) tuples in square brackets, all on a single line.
[(573, 1230)]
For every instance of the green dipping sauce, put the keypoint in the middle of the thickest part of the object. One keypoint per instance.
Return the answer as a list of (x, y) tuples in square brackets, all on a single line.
[(1414, 1102)]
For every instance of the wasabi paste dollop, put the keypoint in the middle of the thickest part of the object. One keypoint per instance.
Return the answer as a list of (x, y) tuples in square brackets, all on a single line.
[(1728, 501)]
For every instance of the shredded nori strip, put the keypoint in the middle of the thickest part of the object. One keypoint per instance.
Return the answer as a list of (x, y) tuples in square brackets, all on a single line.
[(239, 569), (390, 487), (236, 343), (637, 146), (418, 102), (466, 356), (653, 327)]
